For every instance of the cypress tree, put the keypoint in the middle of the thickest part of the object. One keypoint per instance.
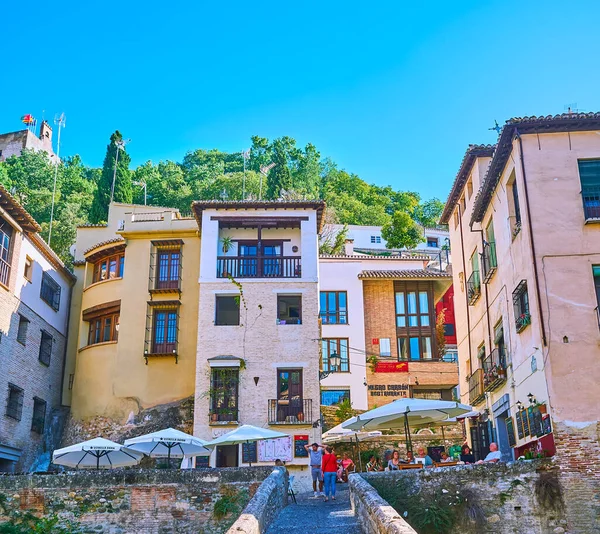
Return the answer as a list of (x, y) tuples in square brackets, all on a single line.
[(123, 187)]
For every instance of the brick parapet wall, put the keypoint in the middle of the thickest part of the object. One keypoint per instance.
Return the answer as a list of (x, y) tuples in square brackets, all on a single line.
[(134, 501)]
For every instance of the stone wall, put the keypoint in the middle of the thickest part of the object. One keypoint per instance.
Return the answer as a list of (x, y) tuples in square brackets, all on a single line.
[(136, 501), (502, 496), (270, 498)]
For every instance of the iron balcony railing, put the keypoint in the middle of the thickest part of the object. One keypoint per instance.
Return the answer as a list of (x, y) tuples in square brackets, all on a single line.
[(489, 261), (476, 392), (473, 287), (4, 272), (494, 369), (591, 202), (259, 267), (290, 412)]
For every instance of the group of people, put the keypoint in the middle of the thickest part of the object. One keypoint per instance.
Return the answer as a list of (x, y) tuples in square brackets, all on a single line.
[(423, 458), (326, 469)]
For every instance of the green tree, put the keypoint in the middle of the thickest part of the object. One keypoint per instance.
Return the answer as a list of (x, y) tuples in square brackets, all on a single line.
[(402, 231), (428, 213), (122, 190)]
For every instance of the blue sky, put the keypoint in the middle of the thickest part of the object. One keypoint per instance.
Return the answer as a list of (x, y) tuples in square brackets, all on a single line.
[(392, 91)]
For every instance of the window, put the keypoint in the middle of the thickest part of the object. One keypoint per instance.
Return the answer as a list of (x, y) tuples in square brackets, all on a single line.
[(456, 219), (463, 203), (14, 404), (169, 264), (22, 331), (164, 331), (375, 239), (470, 188), (334, 307), (589, 174), (432, 242), (50, 292), (340, 348), (39, 415), (596, 272), (103, 329), (414, 320), (499, 343), (488, 258), (481, 354), (289, 309), (514, 207), (385, 347), (28, 270), (414, 348), (412, 308), (45, 348), (521, 306), (330, 397), (224, 394), (227, 311), (6, 232), (109, 267), (474, 281)]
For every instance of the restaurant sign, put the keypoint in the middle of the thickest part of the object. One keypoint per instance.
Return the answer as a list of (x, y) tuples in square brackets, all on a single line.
[(391, 367), (391, 390)]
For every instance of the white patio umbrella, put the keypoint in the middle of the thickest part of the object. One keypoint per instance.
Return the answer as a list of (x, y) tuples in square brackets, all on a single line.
[(342, 435), (401, 413), (96, 453), (168, 443), (245, 434)]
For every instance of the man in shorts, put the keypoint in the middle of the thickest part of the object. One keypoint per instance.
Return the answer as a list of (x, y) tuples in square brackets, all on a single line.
[(315, 457)]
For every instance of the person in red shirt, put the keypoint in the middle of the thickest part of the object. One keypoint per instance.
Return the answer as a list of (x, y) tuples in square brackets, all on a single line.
[(329, 467)]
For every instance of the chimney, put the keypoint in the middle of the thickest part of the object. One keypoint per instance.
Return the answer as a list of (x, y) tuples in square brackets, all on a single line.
[(349, 247), (46, 136)]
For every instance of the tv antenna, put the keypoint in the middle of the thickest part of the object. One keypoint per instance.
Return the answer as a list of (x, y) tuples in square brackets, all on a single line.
[(572, 108), (61, 122), (497, 128), (120, 146)]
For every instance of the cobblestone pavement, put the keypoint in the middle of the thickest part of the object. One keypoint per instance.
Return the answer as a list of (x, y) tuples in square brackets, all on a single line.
[(313, 515)]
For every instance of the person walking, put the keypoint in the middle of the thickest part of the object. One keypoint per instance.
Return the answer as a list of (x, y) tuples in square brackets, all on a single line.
[(315, 452), (329, 468)]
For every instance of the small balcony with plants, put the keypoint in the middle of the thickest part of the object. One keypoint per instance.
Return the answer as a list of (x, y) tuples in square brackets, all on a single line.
[(494, 369), (476, 391), (473, 287), (294, 411)]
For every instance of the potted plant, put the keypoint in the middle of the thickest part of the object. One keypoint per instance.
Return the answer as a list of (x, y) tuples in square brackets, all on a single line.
[(301, 416), (226, 243)]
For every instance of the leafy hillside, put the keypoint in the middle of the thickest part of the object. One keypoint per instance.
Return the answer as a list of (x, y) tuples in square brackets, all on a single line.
[(83, 192)]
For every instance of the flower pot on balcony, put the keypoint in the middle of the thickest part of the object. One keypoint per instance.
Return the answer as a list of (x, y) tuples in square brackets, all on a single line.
[(542, 408), (300, 417)]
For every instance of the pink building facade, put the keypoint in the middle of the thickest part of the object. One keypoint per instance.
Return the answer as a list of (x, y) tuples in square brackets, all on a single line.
[(523, 218)]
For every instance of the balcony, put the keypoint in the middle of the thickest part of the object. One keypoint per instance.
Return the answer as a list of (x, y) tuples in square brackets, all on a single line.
[(223, 415), (591, 203), (494, 370), (476, 393), (4, 272), (259, 267), (473, 287), (294, 412), (489, 261)]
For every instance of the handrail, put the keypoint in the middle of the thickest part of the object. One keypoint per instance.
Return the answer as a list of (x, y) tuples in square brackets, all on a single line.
[(290, 412), (259, 267), (473, 287)]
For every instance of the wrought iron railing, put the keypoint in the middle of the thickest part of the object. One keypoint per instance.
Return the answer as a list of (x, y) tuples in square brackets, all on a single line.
[(494, 369), (290, 412), (259, 267), (591, 202), (473, 287), (4, 272), (522, 321), (489, 261), (476, 392)]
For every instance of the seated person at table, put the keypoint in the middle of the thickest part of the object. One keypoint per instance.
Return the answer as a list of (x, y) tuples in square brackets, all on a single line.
[(346, 465), (395, 461), (373, 464), (466, 455), (444, 458), (494, 456), (422, 456), (410, 457)]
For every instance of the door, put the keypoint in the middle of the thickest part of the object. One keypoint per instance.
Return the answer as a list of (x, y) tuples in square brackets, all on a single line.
[(227, 456), (271, 260), (248, 259), (480, 440), (502, 432), (289, 395)]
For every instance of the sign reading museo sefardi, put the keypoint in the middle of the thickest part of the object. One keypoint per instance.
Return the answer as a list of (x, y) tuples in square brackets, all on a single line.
[(391, 390)]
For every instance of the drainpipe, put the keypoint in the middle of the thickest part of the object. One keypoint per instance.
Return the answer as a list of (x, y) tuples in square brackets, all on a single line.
[(462, 250), (531, 241), (487, 304)]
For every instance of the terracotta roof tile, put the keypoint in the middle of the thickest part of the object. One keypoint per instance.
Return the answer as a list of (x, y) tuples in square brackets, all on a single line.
[(421, 274), (102, 243)]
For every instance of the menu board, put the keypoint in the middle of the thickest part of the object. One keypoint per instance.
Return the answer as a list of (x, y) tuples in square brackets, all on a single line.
[(510, 429), (299, 442), (270, 450), (249, 453), (202, 462), (525, 419), (519, 423), (546, 424), (537, 426)]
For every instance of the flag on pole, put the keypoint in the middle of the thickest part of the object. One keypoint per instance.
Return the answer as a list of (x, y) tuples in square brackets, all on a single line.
[(28, 119)]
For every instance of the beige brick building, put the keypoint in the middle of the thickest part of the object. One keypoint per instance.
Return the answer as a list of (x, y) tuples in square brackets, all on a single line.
[(35, 290)]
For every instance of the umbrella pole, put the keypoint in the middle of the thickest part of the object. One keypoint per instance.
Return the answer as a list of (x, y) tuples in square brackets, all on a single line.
[(249, 463), (169, 456), (358, 450), (443, 437), (407, 433), (98, 461)]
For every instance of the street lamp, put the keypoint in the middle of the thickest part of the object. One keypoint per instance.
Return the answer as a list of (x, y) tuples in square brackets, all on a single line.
[(120, 146), (334, 362)]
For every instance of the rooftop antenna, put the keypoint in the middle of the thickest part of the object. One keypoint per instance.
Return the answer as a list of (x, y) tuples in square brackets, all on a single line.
[(571, 108), (120, 146), (264, 171), (224, 195), (61, 122), (245, 156), (497, 128)]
